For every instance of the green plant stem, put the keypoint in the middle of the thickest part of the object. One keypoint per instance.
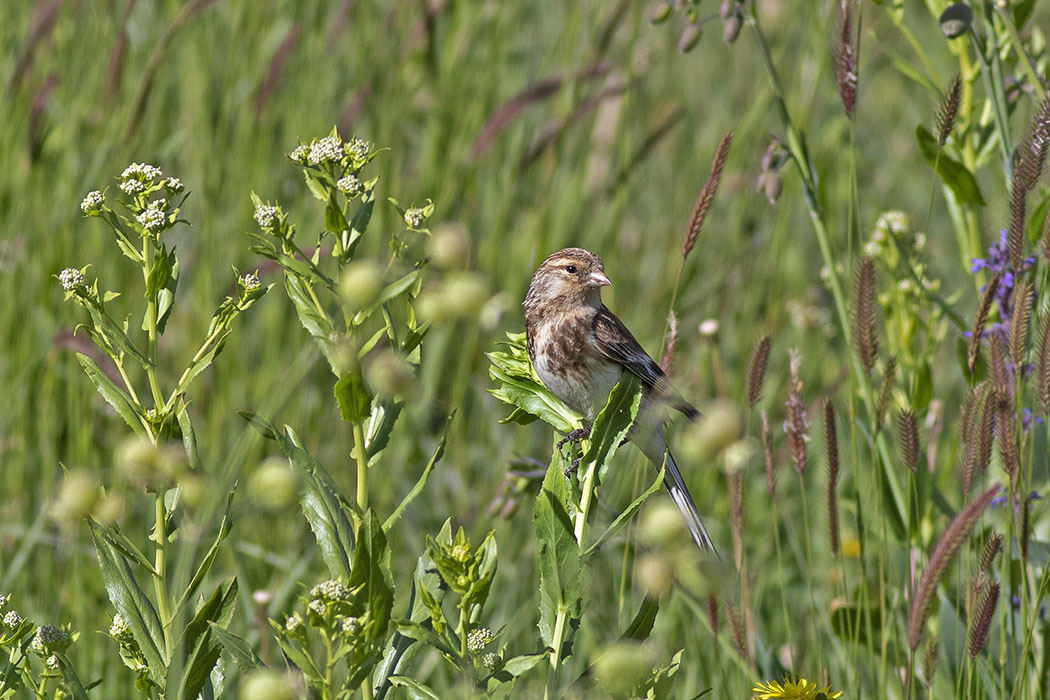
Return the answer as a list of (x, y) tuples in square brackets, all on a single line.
[(1022, 56), (362, 467), (552, 670), (151, 324), (160, 583)]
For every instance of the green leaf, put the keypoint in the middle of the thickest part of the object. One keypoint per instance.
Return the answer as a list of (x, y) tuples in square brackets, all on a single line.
[(628, 513), (414, 689), (113, 394), (314, 320), (520, 387), (853, 623), (128, 548), (389, 293), (239, 650), (69, 677), (557, 555), (205, 566), (520, 664), (189, 437), (953, 173), (421, 482), (613, 422), (381, 423), (360, 221), (131, 602), (202, 647), (261, 425), (355, 401), (371, 570), (642, 624), (334, 220)]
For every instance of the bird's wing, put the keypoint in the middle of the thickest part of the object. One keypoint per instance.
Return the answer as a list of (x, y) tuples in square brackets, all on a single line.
[(616, 342)]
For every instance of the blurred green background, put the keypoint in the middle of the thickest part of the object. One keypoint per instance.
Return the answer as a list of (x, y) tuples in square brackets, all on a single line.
[(533, 125)]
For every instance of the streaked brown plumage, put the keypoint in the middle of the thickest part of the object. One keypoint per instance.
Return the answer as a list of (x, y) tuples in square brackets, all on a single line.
[(580, 350)]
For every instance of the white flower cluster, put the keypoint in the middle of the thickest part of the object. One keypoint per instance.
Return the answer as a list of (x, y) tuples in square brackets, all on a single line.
[(70, 278), (349, 185), (300, 153), (141, 171), (326, 150), (266, 215), (132, 187), (119, 627), (153, 218), (478, 639), (331, 590), (50, 638), (92, 202), (12, 620), (173, 185), (294, 622), (358, 148), (350, 625), (250, 281), (414, 217)]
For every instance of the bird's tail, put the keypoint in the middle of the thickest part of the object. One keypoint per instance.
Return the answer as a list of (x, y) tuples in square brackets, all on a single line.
[(680, 495)]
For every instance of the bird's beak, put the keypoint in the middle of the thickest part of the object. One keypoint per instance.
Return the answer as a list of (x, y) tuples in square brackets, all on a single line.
[(598, 279)]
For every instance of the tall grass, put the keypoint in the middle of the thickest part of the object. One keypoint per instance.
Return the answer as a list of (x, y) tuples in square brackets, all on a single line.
[(532, 127)]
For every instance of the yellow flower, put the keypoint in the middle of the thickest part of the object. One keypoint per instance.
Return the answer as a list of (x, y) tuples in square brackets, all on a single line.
[(797, 689)]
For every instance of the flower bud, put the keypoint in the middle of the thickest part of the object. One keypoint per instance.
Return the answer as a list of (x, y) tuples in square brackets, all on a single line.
[(264, 684), (77, 497), (719, 427), (361, 284), (450, 246), (273, 484), (769, 184), (388, 375), (622, 667), (655, 574), (956, 20), (689, 38), (661, 523), (660, 12)]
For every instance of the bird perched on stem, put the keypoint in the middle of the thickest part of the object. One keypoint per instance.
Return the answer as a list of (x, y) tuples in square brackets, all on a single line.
[(580, 350)]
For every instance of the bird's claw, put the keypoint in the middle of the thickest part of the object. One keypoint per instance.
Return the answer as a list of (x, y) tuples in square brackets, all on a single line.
[(574, 436)]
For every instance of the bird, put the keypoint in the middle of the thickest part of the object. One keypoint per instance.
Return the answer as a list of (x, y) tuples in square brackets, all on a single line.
[(580, 350)]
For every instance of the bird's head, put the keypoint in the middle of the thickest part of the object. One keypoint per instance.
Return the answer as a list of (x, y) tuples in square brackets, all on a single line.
[(570, 276)]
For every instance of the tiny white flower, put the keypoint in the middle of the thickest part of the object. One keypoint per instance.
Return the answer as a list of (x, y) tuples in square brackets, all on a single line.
[(872, 248), (294, 622), (52, 662), (358, 148), (490, 660), (250, 282), (4, 600), (920, 241), (478, 639), (119, 626), (152, 219), (905, 286), (326, 150), (349, 185), (12, 619), (70, 278), (92, 202), (132, 187), (300, 153), (331, 590), (141, 171), (709, 327), (173, 185), (52, 638), (317, 607), (350, 625), (414, 217), (266, 215), (159, 203), (151, 415)]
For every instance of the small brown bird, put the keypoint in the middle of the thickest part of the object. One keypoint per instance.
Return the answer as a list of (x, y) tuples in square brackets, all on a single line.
[(580, 350)]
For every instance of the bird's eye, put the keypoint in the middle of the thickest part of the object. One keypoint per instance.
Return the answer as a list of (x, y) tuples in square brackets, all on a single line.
[(571, 269)]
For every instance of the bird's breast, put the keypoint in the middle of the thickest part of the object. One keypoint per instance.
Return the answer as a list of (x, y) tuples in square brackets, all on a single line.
[(568, 363)]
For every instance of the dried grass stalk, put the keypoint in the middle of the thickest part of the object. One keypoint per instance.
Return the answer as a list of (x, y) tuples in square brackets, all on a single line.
[(756, 370), (846, 64), (1023, 295), (1042, 365), (983, 309), (865, 309), (767, 448), (949, 109), (796, 424), (831, 445), (908, 430), (991, 550), (946, 548), (979, 630), (707, 195)]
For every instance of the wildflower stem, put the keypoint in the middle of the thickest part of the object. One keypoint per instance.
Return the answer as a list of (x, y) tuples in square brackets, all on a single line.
[(160, 583), (362, 467), (1034, 81)]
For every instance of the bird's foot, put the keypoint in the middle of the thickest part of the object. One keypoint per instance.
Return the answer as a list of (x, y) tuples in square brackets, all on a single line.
[(574, 437)]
